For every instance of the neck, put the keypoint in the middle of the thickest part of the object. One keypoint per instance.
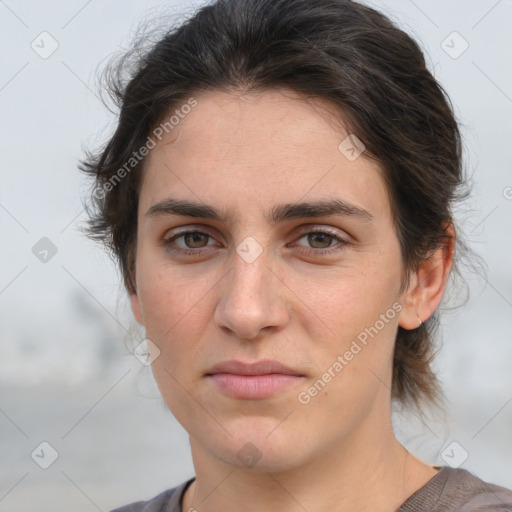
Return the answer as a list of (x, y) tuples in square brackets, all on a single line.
[(370, 471)]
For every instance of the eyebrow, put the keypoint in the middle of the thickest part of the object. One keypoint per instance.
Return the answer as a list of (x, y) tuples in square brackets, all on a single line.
[(278, 213)]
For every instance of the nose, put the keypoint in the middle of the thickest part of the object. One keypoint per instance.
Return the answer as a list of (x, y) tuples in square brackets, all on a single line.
[(252, 299)]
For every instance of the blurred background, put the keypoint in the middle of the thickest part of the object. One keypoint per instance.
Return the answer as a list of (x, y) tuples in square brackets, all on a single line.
[(82, 426)]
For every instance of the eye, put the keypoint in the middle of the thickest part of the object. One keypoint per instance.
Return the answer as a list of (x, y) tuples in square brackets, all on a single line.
[(322, 242), (193, 240)]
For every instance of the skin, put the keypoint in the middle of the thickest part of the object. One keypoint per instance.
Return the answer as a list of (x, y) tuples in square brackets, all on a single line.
[(245, 154)]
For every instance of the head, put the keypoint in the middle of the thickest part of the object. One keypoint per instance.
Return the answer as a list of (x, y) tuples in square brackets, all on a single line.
[(280, 186)]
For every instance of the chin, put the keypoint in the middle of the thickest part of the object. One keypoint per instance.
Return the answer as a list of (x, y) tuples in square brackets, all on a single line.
[(259, 447)]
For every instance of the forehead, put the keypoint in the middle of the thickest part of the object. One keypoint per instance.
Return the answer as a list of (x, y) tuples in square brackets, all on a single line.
[(262, 147)]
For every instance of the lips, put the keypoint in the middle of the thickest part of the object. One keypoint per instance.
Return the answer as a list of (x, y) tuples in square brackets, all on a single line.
[(264, 367), (253, 381)]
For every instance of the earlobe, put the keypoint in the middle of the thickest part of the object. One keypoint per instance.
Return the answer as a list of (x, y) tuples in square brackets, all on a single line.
[(137, 310), (428, 284)]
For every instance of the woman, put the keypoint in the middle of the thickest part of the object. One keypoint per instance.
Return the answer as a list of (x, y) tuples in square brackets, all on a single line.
[(278, 193)]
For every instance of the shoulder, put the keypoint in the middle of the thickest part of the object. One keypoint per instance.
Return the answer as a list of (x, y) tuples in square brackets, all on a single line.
[(471, 493), (166, 501), (458, 490)]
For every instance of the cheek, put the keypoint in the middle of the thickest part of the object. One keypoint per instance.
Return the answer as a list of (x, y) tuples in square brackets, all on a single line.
[(176, 309), (169, 302), (361, 311), (352, 299), (355, 366)]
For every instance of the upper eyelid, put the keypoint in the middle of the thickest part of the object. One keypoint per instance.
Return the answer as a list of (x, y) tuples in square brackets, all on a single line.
[(321, 229), (186, 230), (206, 229)]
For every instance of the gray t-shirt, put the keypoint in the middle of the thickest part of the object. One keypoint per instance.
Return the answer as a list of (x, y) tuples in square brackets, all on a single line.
[(449, 490)]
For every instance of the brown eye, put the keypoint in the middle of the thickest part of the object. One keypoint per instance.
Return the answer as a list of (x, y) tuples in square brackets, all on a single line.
[(320, 243), (189, 243), (319, 240), (195, 240)]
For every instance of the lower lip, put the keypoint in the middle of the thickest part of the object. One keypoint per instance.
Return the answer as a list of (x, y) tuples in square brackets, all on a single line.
[(253, 386)]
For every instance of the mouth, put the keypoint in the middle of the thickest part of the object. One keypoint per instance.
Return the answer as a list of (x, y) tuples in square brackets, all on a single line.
[(253, 381)]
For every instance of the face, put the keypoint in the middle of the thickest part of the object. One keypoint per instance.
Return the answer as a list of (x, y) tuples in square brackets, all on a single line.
[(286, 251)]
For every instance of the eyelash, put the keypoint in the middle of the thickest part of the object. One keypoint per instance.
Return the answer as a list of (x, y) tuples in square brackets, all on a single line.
[(308, 250)]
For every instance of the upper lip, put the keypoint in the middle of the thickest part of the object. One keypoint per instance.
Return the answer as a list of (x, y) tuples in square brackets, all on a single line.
[(263, 367)]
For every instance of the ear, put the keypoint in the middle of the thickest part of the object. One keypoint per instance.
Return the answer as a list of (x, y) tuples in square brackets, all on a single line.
[(427, 284), (137, 310)]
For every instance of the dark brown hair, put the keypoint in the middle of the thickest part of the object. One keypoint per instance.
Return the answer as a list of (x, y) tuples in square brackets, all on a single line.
[(338, 50)]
